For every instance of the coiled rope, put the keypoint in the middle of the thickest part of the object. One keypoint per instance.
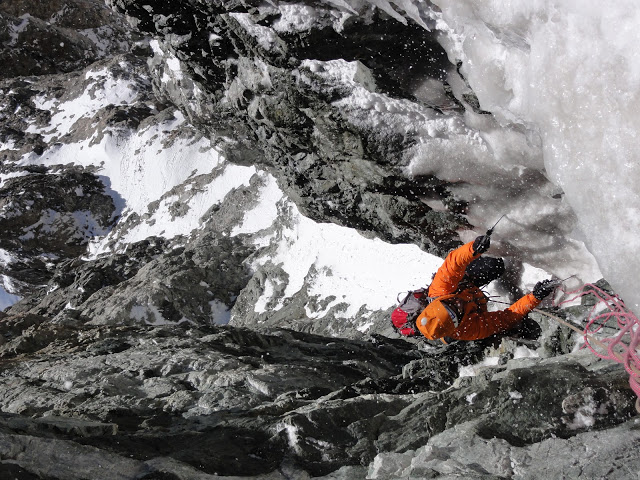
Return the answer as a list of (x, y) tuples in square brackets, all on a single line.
[(624, 346)]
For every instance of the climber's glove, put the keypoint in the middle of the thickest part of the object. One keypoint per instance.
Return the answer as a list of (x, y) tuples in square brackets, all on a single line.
[(481, 244), (544, 288)]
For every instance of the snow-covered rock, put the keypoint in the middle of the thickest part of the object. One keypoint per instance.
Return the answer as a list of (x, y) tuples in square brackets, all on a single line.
[(206, 222)]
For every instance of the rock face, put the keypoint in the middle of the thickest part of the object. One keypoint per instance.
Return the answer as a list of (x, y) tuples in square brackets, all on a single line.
[(282, 111), (60, 36), (51, 213), (185, 401), (138, 350)]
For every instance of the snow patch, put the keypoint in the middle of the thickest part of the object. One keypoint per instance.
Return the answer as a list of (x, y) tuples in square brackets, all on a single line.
[(298, 18), (148, 314), (265, 36), (472, 370), (523, 352), (6, 298), (292, 435), (515, 395), (265, 213), (105, 90), (328, 258)]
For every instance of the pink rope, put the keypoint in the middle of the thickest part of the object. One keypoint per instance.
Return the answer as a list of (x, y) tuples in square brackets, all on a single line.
[(624, 346)]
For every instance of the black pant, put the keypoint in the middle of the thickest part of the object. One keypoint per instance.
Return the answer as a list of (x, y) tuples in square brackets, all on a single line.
[(483, 271)]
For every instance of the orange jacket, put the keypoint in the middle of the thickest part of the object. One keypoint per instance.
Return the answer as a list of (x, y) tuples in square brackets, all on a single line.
[(476, 322)]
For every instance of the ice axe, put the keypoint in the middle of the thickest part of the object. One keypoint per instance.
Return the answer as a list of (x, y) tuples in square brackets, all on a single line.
[(490, 231), (558, 282), (481, 244), (564, 280), (545, 287)]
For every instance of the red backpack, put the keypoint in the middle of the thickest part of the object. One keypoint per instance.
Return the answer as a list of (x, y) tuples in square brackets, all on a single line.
[(404, 316)]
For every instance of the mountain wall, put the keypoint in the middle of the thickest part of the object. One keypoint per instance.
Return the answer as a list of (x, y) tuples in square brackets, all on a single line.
[(205, 211)]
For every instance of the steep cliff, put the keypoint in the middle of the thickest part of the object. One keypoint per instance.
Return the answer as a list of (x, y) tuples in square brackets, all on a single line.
[(200, 205)]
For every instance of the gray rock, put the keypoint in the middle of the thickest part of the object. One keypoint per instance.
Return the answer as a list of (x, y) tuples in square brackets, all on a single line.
[(90, 390), (229, 401), (462, 452), (60, 36)]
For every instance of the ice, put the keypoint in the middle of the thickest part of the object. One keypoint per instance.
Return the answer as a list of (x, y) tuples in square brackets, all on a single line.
[(568, 73)]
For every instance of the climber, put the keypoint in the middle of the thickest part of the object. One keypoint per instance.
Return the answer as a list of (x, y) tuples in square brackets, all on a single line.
[(459, 309)]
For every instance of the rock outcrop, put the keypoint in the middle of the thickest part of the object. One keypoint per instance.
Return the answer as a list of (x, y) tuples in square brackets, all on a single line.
[(59, 36), (281, 109), (126, 401)]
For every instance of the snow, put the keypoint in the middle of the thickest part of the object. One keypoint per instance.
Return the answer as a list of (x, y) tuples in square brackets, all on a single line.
[(292, 435), (6, 257), (492, 168), (267, 294), (265, 36), (537, 223), (85, 224), (584, 415), (297, 18), (171, 61), (524, 352), (148, 314), (106, 90), (265, 213), (16, 30), (164, 223), (472, 370), (220, 314), (140, 167), (562, 80), (515, 395), (338, 262)]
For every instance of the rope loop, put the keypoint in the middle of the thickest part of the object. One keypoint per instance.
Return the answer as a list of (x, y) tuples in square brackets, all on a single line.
[(619, 342)]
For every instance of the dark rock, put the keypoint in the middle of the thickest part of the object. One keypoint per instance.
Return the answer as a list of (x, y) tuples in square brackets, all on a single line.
[(334, 169), (58, 36)]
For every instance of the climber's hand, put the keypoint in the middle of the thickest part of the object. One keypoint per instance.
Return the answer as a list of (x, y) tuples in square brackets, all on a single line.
[(544, 288), (481, 244)]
